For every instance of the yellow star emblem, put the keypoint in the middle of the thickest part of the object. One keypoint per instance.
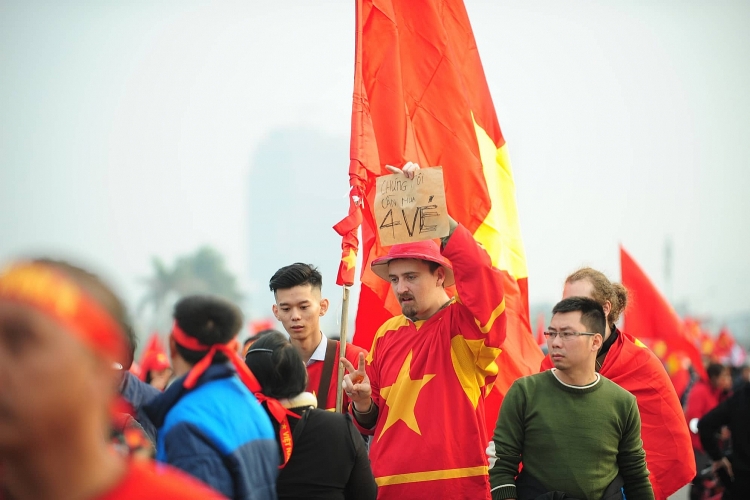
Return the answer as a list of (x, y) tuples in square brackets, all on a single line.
[(401, 397), (350, 260)]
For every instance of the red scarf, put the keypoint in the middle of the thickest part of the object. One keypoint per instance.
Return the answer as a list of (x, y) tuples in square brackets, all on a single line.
[(279, 413)]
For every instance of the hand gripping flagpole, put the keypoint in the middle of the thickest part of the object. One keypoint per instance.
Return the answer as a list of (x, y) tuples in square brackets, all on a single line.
[(342, 349)]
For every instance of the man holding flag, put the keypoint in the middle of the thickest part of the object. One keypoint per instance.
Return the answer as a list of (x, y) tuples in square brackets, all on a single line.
[(421, 390), (420, 94)]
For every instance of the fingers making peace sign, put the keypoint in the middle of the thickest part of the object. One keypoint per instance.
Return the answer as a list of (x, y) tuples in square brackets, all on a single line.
[(357, 384)]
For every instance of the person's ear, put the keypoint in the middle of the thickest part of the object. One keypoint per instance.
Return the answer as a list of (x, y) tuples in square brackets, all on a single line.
[(275, 310), (323, 306), (607, 308), (597, 343), (440, 276), (172, 347)]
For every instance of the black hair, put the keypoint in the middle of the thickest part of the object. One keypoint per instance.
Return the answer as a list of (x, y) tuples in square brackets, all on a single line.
[(715, 370), (211, 320), (93, 285), (432, 265), (592, 313), (277, 365), (257, 336), (296, 275)]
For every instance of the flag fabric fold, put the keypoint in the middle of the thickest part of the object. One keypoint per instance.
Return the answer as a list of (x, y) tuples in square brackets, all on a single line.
[(650, 316), (665, 435), (420, 95)]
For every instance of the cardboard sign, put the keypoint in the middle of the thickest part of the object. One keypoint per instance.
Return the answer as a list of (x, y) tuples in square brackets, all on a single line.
[(409, 210)]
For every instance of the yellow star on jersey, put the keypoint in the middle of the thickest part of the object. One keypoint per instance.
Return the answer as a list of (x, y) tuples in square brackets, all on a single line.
[(401, 397), (350, 260)]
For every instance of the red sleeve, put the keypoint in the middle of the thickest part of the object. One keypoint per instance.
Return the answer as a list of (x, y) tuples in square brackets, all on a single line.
[(376, 401), (479, 287), (372, 371), (478, 329)]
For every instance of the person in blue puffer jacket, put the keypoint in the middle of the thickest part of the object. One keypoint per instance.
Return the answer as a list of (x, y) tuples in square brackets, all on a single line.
[(209, 423)]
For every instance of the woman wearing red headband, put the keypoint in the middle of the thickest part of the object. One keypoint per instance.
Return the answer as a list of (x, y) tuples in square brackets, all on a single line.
[(61, 332)]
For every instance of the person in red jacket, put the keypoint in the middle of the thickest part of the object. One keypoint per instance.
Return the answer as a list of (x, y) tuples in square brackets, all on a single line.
[(630, 364), (61, 336), (299, 306), (422, 393), (704, 397)]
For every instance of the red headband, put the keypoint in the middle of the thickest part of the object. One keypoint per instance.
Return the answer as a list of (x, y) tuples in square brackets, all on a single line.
[(187, 341), (57, 296), (279, 413)]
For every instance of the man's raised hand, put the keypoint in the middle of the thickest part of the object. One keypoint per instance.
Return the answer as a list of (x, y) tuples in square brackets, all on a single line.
[(357, 384), (408, 170)]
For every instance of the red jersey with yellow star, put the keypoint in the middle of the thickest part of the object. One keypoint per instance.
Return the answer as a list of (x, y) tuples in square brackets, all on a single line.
[(429, 379)]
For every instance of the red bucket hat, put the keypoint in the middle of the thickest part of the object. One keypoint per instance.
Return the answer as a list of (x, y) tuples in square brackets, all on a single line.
[(422, 250)]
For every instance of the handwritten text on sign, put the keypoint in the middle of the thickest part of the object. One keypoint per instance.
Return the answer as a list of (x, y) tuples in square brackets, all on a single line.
[(411, 209)]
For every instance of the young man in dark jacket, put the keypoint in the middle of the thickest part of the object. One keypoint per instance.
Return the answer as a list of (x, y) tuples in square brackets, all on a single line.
[(210, 425)]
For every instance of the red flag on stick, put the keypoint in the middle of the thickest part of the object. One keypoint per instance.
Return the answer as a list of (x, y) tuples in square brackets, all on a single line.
[(347, 229), (154, 356), (420, 95), (650, 316)]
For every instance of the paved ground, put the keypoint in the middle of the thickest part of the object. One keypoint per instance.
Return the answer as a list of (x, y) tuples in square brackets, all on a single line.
[(681, 495)]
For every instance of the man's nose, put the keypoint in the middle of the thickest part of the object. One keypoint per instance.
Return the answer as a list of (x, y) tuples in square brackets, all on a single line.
[(401, 287), (555, 341), (296, 314)]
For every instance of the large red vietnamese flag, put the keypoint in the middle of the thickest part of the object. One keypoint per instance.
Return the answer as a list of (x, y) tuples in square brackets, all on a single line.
[(420, 95), (650, 316)]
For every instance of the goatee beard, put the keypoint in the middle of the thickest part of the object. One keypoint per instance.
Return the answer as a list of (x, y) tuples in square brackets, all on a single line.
[(410, 312)]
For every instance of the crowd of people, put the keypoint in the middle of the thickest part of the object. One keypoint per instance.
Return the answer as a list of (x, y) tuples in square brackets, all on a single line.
[(258, 421)]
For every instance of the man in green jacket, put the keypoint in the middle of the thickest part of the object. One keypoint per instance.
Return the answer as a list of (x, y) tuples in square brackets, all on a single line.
[(575, 431)]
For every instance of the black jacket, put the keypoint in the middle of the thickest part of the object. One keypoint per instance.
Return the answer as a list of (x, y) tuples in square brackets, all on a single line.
[(734, 413), (329, 460)]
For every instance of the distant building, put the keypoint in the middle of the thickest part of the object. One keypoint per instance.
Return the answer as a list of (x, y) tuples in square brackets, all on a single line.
[(297, 191)]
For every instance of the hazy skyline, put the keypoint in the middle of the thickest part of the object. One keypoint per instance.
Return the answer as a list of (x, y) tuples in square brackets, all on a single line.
[(131, 129)]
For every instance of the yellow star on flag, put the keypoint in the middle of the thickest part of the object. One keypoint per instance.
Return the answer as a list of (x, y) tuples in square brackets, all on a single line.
[(401, 397), (350, 260)]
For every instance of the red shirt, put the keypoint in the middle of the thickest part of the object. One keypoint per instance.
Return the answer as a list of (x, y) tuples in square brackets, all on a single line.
[(429, 380), (147, 480), (315, 370), (702, 399)]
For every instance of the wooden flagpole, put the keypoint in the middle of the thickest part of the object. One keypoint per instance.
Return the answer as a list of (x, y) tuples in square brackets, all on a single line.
[(342, 350)]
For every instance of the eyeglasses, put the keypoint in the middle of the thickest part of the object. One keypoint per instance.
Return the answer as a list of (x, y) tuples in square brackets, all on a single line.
[(567, 335)]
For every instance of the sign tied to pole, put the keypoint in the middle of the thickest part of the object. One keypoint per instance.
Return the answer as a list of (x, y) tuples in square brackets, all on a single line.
[(409, 210)]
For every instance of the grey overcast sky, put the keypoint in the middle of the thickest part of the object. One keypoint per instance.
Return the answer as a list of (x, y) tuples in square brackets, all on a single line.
[(128, 129)]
